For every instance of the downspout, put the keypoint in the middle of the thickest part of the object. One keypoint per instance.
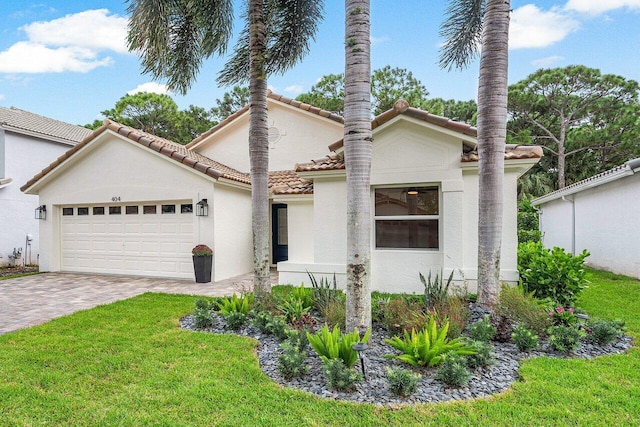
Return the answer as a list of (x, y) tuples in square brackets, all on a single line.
[(573, 223)]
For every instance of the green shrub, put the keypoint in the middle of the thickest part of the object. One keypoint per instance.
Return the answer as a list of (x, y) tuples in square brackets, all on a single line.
[(482, 330), (291, 361), (202, 313), (297, 338), (339, 376), (563, 316), (483, 356), (305, 295), (402, 382), (528, 223), (524, 339), (293, 309), (522, 307), (235, 320), (425, 348), (564, 338), (325, 293), (404, 315), (235, 304), (435, 291), (454, 371), (603, 331), (455, 310), (335, 313), (336, 345), (379, 308), (551, 273)]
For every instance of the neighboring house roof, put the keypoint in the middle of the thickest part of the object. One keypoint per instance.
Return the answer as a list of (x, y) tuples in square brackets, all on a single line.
[(24, 122), (627, 169), (289, 182), (270, 95), (511, 152), (332, 161)]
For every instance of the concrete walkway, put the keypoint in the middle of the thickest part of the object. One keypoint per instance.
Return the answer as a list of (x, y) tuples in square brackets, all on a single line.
[(32, 300)]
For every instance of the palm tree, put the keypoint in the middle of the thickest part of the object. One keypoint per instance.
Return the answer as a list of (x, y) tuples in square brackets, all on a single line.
[(467, 19), (357, 150), (173, 37)]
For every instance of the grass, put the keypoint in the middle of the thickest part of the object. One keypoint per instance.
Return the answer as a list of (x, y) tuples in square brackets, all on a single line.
[(129, 364), (15, 276)]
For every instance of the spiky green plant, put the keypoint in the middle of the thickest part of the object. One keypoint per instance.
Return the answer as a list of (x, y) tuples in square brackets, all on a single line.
[(336, 345), (235, 304)]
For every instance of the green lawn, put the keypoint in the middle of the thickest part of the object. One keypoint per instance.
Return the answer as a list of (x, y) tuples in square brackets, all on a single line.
[(130, 364)]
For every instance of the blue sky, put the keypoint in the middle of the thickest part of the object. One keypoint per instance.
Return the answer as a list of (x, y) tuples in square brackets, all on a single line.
[(68, 59)]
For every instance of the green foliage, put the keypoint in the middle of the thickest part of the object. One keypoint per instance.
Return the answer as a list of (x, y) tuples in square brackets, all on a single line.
[(454, 371), (482, 330), (234, 320), (328, 300), (202, 313), (603, 331), (503, 325), (402, 382), (522, 307), (336, 345), (551, 273), (293, 309), (339, 376), (528, 222), (564, 338), (403, 315), (426, 347), (271, 324), (235, 304), (335, 313), (435, 291), (305, 295), (524, 339), (291, 361), (230, 102), (297, 338), (563, 316), (483, 356), (455, 310)]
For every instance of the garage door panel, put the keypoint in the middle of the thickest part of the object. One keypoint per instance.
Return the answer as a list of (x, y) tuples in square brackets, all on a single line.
[(137, 244)]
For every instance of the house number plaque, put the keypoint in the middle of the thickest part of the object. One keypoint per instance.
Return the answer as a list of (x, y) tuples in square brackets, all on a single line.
[(115, 199)]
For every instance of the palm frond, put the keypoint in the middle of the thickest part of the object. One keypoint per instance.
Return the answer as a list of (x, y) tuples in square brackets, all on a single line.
[(462, 31)]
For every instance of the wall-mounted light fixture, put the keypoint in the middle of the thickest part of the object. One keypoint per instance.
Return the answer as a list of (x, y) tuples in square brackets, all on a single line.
[(41, 212), (412, 191), (202, 208)]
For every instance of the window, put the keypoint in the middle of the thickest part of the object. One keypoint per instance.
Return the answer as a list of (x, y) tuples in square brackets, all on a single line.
[(67, 211), (149, 209), (407, 218), (168, 209), (131, 210), (186, 208), (98, 210), (83, 211), (115, 210)]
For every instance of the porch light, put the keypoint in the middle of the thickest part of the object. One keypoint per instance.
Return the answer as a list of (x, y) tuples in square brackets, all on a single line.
[(412, 191), (41, 212), (202, 208), (360, 348)]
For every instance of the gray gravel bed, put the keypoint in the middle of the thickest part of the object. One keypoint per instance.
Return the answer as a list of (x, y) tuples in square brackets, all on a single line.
[(485, 381)]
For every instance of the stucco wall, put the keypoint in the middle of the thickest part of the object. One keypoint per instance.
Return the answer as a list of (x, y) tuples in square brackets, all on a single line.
[(24, 157), (302, 137), (606, 219)]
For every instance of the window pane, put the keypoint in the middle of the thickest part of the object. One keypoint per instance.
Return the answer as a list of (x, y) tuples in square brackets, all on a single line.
[(149, 209), (186, 208), (131, 210), (83, 211), (283, 234), (406, 201), (407, 234), (115, 210), (168, 209), (98, 210), (67, 211)]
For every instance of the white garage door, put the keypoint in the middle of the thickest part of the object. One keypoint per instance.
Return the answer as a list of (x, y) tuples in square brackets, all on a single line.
[(134, 239)]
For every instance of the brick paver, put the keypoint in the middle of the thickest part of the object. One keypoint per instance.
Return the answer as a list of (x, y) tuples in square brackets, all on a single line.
[(32, 300)]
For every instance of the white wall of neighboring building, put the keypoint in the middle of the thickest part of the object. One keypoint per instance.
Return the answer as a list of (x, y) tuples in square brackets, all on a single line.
[(605, 223), (24, 156), (296, 136)]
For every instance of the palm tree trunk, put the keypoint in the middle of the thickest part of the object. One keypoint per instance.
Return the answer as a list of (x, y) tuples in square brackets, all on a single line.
[(492, 121), (259, 148), (357, 145)]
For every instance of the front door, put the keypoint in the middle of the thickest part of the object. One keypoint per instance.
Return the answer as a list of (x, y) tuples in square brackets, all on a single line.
[(280, 236)]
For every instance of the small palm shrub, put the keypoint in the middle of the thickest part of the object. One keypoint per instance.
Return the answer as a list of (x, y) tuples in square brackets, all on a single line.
[(522, 307), (339, 376), (336, 345), (235, 304), (564, 338), (454, 371), (483, 356), (482, 330), (435, 291), (291, 361), (603, 331), (293, 309), (402, 382), (426, 347), (202, 313), (524, 339), (235, 320)]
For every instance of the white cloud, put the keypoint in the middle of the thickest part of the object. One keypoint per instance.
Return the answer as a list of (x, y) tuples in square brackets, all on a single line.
[(2, 96), (150, 87), (531, 27), (377, 40), (72, 43), (294, 89), (595, 7), (547, 61)]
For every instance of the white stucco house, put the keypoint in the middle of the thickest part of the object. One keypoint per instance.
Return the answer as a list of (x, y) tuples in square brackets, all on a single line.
[(123, 201), (599, 214), (28, 143)]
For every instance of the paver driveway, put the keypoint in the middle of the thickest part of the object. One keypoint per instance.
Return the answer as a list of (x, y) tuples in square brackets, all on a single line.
[(32, 300)]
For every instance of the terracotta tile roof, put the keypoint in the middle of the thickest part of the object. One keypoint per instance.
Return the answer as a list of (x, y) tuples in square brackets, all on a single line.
[(512, 152), (34, 123), (331, 161), (163, 146), (288, 182), (301, 105)]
